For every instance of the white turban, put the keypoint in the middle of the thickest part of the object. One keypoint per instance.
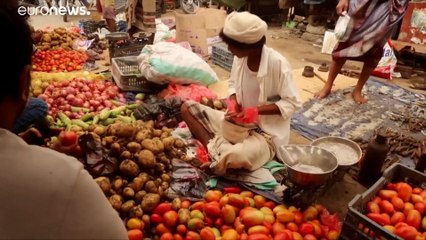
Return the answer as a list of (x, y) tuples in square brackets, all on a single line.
[(244, 27)]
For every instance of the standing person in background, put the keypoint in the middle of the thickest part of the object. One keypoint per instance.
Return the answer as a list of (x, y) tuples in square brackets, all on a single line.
[(45, 194), (371, 24), (107, 8)]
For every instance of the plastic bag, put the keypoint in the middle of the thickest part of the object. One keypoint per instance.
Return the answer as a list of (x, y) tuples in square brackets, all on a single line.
[(341, 27), (96, 159), (188, 182), (191, 92), (387, 63), (250, 116), (330, 220)]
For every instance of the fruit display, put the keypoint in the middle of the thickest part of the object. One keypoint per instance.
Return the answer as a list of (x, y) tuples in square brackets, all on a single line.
[(57, 38), (233, 216), (59, 60), (401, 209), (41, 80), (80, 96)]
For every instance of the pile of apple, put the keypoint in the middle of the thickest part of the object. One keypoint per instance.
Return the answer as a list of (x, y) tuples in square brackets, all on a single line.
[(401, 209), (234, 216)]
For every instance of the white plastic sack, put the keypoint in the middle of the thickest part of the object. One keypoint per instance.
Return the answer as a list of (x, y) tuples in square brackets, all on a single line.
[(329, 42), (386, 66), (341, 27), (167, 62)]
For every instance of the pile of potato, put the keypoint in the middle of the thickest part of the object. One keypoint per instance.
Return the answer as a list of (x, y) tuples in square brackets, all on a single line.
[(58, 38), (145, 155)]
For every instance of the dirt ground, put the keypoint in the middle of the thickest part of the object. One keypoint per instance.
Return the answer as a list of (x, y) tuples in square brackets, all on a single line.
[(299, 53)]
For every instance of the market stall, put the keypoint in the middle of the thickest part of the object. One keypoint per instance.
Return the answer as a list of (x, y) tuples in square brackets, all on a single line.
[(128, 128)]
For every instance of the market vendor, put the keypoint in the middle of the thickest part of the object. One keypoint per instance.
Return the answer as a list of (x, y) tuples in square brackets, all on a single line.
[(45, 194), (107, 8), (261, 82)]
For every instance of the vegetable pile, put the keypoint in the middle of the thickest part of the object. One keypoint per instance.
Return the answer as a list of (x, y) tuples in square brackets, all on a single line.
[(234, 216), (59, 60), (41, 80), (144, 156), (58, 38), (79, 96), (401, 209)]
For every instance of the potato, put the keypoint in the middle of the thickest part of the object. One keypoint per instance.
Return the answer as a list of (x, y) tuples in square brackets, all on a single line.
[(99, 130), (139, 195), (179, 143), (104, 184), (129, 168), (117, 183), (150, 124), (168, 143), (126, 155), (147, 220), (134, 147), (148, 144), (146, 159), (116, 201), (124, 130), (128, 193), (160, 191), (160, 167), (144, 176), (157, 132), (149, 202), (165, 177), (166, 129), (159, 146), (136, 212), (164, 186), (151, 187), (137, 184), (107, 141), (125, 208), (142, 134), (115, 148), (158, 181)]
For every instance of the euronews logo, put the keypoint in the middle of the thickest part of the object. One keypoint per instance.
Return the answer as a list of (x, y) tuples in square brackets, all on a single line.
[(61, 11)]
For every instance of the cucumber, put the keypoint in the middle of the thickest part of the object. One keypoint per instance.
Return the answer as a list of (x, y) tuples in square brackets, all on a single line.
[(79, 109), (108, 121), (104, 114), (95, 120), (81, 124), (64, 118), (86, 117), (117, 111)]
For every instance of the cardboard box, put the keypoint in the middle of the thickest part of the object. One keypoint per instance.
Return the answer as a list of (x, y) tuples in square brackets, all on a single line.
[(200, 29)]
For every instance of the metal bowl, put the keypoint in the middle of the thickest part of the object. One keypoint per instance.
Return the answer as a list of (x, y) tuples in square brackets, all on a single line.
[(308, 166), (346, 151)]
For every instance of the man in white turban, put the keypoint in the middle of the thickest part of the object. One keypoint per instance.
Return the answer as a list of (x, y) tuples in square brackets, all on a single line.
[(261, 91)]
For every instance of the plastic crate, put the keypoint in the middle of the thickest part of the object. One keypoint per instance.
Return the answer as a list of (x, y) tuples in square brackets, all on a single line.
[(395, 173), (221, 56), (127, 76)]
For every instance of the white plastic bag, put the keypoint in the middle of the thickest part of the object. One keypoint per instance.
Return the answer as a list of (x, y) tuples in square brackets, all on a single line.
[(387, 63), (167, 62), (329, 42), (341, 27)]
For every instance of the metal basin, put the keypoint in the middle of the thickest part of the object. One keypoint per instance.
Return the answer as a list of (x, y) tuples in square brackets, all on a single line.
[(346, 151), (308, 166)]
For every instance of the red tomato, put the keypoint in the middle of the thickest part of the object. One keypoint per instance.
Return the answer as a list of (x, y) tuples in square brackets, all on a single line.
[(68, 138)]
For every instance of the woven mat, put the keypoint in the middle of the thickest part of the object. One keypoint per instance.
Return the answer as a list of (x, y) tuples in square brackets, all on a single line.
[(389, 106)]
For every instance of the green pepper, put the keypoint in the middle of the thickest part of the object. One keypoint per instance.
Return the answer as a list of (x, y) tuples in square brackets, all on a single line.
[(79, 109), (81, 124), (117, 111), (95, 120), (64, 118), (86, 117)]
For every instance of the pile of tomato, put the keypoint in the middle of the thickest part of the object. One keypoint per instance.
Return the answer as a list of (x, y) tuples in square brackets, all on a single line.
[(59, 60)]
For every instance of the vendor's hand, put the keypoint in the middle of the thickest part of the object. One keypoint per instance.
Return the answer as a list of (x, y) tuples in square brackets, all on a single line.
[(342, 6), (30, 135), (72, 149)]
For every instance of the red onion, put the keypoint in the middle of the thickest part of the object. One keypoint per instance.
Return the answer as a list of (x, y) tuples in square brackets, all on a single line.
[(70, 97)]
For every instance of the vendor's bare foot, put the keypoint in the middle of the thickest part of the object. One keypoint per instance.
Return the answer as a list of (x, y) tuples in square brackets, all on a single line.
[(358, 98), (323, 93)]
